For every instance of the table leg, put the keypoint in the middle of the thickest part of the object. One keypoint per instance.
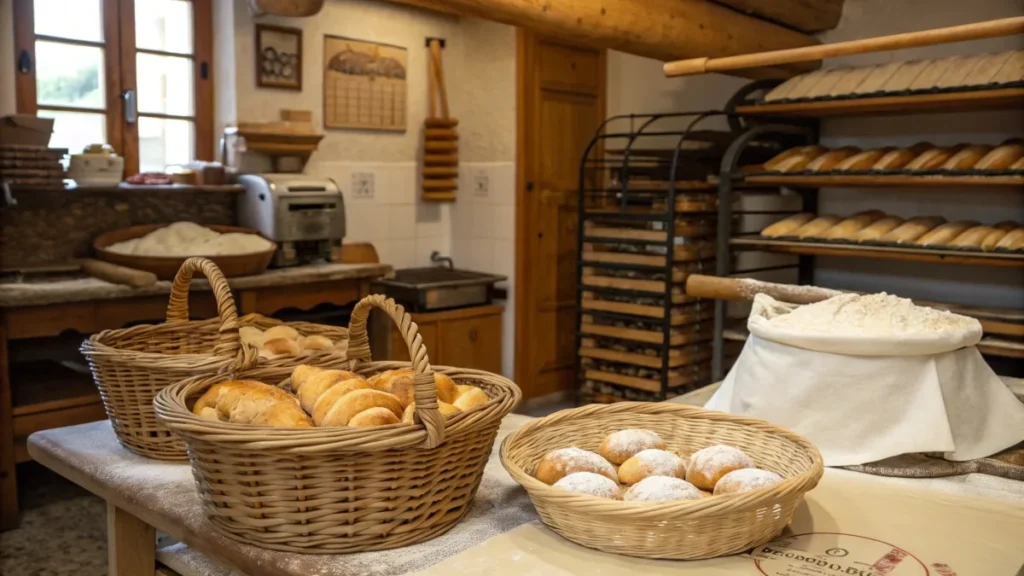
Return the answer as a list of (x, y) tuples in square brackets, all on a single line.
[(131, 544), (8, 470)]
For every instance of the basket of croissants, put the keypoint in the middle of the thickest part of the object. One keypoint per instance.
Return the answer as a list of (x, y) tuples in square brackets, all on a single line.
[(131, 365), (379, 455), (659, 480)]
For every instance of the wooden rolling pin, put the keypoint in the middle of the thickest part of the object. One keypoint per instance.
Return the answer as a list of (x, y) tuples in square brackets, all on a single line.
[(117, 274), (718, 288)]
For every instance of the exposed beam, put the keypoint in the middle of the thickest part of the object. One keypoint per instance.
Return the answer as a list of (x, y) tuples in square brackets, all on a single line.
[(804, 15), (659, 29), (440, 6)]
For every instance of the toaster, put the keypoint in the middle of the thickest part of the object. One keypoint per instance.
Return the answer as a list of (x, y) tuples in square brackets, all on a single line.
[(304, 215)]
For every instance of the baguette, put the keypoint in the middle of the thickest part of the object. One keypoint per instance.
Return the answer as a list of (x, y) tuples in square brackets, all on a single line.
[(912, 229), (1018, 165), (862, 161), (932, 159), (816, 226), (1006, 225), (785, 226), (972, 237), (992, 240), (829, 159), (1014, 240), (1002, 157), (966, 159), (988, 65), (795, 161), (846, 229), (878, 228), (900, 157), (251, 402), (943, 234)]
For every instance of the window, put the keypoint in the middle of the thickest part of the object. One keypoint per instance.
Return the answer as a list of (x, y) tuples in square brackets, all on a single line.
[(135, 74)]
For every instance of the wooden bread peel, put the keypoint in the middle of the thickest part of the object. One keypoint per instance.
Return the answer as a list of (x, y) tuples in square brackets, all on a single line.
[(440, 147)]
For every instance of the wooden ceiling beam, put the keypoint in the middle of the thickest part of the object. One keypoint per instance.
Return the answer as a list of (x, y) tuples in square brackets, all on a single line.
[(803, 15), (661, 29)]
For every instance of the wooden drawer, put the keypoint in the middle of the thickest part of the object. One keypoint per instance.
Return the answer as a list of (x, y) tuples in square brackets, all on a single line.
[(473, 343), (569, 69), (428, 331)]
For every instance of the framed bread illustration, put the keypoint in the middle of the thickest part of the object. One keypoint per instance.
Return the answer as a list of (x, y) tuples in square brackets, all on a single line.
[(364, 85), (278, 57)]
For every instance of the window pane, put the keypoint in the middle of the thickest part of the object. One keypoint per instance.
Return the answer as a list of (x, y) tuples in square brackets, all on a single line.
[(78, 19), (164, 25), (76, 130), (69, 75), (164, 142), (165, 84)]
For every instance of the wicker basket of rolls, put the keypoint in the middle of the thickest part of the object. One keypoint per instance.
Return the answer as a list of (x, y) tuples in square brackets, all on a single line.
[(131, 365), (382, 455), (661, 480)]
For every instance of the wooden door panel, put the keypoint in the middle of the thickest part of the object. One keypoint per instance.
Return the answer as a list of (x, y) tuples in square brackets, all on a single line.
[(473, 343), (569, 69)]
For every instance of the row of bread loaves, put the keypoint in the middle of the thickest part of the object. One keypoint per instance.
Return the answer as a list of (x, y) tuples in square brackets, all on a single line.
[(286, 341), (920, 157)]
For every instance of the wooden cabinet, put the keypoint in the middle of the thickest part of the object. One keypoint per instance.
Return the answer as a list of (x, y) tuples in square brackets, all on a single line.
[(465, 338)]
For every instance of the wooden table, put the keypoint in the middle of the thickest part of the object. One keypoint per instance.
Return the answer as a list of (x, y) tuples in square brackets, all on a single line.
[(88, 305)]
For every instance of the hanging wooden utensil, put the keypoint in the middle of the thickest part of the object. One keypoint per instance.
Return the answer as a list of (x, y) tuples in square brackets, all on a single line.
[(440, 147)]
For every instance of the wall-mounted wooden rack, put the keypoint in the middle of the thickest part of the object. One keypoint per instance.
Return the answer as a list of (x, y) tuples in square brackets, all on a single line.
[(998, 99), (909, 253), (884, 181)]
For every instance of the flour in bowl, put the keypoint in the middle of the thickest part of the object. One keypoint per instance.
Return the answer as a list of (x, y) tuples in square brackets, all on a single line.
[(872, 315)]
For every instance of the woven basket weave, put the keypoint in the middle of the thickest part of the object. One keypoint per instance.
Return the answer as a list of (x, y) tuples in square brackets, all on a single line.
[(682, 530), (131, 365), (339, 490)]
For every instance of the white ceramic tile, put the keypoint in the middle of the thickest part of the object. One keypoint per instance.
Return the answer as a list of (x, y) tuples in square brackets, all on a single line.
[(424, 246), (482, 225), (385, 251), (481, 255), (359, 222), (504, 184), (429, 230), (504, 258), (403, 188), (402, 221), (505, 222), (403, 253)]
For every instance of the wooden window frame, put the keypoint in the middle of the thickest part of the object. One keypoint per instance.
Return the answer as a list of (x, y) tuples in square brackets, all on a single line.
[(120, 57)]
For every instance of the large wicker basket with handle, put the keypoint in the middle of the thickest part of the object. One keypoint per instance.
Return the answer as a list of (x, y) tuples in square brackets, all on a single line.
[(131, 365), (683, 529), (342, 489)]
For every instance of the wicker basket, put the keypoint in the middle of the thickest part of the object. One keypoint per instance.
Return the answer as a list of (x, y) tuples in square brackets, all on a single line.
[(688, 529), (131, 365), (339, 490)]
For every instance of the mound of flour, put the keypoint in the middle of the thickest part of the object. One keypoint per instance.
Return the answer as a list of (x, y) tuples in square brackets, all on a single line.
[(872, 315)]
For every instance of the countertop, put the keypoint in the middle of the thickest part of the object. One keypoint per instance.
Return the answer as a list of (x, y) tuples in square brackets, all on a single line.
[(13, 295)]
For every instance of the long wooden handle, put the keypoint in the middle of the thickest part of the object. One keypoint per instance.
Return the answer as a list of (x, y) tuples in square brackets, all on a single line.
[(719, 288), (431, 82), (117, 274), (435, 55), (963, 33)]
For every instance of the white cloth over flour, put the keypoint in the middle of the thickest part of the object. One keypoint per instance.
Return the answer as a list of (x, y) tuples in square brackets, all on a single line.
[(859, 407)]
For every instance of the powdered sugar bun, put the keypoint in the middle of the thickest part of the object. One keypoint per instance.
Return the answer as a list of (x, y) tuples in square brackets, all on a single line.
[(709, 464), (620, 446), (651, 462), (745, 480), (660, 489), (590, 483), (558, 464)]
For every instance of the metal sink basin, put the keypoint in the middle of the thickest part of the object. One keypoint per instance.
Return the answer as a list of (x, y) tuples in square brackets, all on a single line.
[(435, 288)]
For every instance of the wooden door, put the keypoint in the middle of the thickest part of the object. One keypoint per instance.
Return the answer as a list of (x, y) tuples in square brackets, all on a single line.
[(561, 103)]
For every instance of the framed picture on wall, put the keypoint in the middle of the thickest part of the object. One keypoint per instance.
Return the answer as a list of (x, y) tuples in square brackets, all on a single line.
[(364, 85), (278, 57)]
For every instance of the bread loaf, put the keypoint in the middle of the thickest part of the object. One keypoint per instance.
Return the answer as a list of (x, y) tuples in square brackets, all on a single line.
[(912, 229), (1014, 240), (651, 462), (315, 342), (273, 347), (830, 159), (816, 226), (622, 445), (944, 233), (770, 165), (863, 161), (900, 157), (402, 385), (709, 464), (847, 227), (558, 464), (966, 158), (470, 397), (1006, 225), (446, 410), (878, 228), (251, 402), (1018, 165), (348, 406), (1002, 157), (932, 159), (786, 225), (286, 332), (972, 237), (331, 383), (251, 336), (373, 417), (992, 239), (794, 162)]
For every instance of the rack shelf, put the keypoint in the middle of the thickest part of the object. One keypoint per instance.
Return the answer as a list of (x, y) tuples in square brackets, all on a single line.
[(1004, 98), (933, 255), (885, 181)]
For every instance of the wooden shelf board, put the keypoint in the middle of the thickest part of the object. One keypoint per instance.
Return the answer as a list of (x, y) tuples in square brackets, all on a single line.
[(640, 185), (136, 188), (908, 104), (650, 385), (46, 386), (935, 256), (646, 311), (886, 181), (677, 337)]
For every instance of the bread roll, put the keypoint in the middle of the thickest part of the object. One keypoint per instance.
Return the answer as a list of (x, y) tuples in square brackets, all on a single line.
[(905, 75), (786, 225), (863, 161), (912, 229), (900, 157), (316, 342), (251, 336), (789, 152), (651, 462), (830, 159), (301, 373), (987, 67), (709, 464), (558, 464), (972, 237), (945, 233), (878, 228), (1018, 165), (662, 489), (933, 72), (1002, 157), (446, 410), (1012, 70), (251, 402), (401, 383), (373, 417), (620, 446), (590, 484), (350, 405), (966, 159), (877, 78), (794, 160), (746, 480), (324, 402), (846, 228), (816, 226), (470, 397), (1014, 240), (286, 332), (279, 347), (992, 239), (932, 159), (1006, 225), (849, 82)]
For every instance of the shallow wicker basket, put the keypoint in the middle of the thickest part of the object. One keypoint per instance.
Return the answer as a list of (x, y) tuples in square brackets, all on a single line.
[(682, 530), (340, 490), (131, 365)]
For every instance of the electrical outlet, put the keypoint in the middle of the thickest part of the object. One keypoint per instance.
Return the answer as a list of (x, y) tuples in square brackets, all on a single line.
[(481, 184), (363, 185)]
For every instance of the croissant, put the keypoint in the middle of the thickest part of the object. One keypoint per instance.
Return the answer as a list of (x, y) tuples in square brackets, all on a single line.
[(401, 384), (251, 402)]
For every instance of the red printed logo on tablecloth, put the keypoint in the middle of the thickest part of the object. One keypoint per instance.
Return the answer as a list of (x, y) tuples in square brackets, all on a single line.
[(943, 569), (835, 554), (889, 562)]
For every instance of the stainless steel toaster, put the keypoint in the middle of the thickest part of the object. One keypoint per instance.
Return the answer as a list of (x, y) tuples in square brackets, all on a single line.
[(304, 215)]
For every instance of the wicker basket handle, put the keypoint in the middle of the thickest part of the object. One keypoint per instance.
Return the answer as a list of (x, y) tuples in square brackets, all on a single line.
[(228, 342), (426, 391)]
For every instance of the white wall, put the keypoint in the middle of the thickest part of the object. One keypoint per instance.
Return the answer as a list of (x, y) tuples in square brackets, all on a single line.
[(7, 58)]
